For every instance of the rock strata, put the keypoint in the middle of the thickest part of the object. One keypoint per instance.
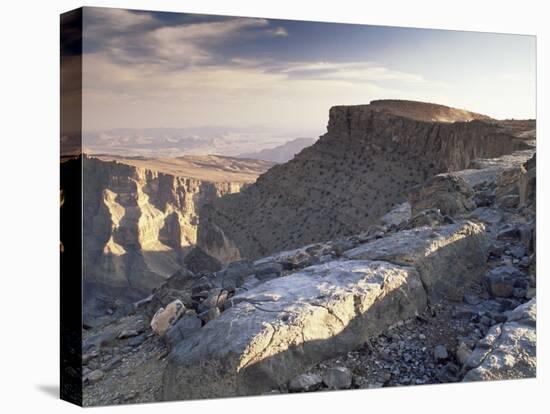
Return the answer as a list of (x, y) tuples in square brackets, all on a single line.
[(140, 222)]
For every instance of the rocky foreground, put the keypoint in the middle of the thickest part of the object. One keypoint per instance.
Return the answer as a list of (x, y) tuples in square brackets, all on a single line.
[(441, 289)]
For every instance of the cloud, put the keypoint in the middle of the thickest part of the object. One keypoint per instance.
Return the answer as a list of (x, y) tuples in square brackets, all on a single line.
[(140, 71), (350, 72), (280, 31), (100, 20), (192, 42), (140, 38)]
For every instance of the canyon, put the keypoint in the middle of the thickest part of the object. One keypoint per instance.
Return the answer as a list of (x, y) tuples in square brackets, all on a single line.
[(398, 249), (140, 219)]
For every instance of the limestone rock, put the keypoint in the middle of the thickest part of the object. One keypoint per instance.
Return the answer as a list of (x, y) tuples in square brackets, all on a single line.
[(95, 375), (305, 383), (187, 325), (447, 258), (337, 378), (397, 216), (164, 318), (284, 326), (447, 192), (431, 217), (440, 353), (210, 315), (527, 183), (508, 352)]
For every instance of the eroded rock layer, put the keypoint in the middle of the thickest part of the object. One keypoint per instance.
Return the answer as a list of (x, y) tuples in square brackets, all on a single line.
[(139, 224), (366, 163)]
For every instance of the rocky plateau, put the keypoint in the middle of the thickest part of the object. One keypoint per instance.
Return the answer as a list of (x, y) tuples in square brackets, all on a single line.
[(399, 249)]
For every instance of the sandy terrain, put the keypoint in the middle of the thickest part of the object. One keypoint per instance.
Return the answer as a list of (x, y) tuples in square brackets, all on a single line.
[(212, 168)]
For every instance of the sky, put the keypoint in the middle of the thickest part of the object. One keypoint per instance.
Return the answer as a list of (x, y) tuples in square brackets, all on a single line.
[(172, 70)]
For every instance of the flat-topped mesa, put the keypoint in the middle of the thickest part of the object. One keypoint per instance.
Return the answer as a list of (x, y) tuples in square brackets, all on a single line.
[(340, 116), (452, 137), (366, 163), (425, 111)]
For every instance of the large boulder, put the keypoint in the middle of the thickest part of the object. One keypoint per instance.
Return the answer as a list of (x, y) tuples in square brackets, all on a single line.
[(164, 318), (449, 193), (527, 183), (198, 261), (447, 258), (509, 350), (286, 325), (398, 216)]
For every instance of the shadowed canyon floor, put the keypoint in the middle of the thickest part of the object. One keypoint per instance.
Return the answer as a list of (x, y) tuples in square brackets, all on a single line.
[(437, 285)]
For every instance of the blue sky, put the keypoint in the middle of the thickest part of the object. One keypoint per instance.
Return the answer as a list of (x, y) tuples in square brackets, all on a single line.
[(151, 69)]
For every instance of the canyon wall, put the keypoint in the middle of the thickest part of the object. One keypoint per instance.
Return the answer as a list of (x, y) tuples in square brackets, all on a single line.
[(366, 163), (138, 226)]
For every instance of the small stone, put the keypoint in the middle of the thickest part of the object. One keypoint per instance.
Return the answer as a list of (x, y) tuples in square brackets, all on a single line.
[(500, 286), (337, 378), (422, 337), (137, 340), (509, 201), (165, 318), (305, 383), (509, 233), (114, 362), (95, 376), (209, 315), (463, 353), (448, 373), (472, 299), (212, 300), (127, 333), (186, 326), (440, 353), (89, 356), (525, 262)]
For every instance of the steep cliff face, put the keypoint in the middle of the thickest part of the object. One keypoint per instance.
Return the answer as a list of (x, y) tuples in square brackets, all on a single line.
[(138, 225), (366, 163)]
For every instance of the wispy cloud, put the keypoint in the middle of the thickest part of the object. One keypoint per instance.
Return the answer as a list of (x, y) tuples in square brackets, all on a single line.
[(153, 69), (139, 38), (350, 71)]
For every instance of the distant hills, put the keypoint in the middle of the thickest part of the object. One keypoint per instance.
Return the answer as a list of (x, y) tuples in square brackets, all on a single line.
[(175, 142), (281, 153)]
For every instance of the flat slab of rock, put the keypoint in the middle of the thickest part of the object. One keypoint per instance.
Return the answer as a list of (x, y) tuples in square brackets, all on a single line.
[(509, 350), (284, 326), (448, 258)]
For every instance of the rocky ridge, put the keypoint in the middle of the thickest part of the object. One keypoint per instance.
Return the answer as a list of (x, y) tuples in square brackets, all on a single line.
[(428, 294), (371, 157)]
